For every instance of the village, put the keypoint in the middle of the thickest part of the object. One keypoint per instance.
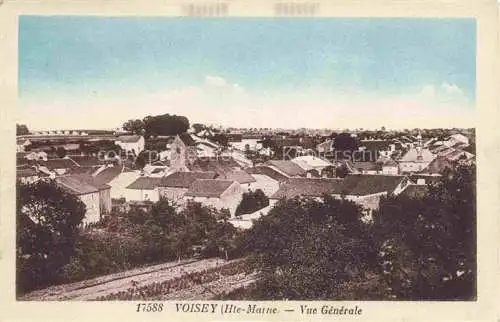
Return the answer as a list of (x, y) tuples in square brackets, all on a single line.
[(101, 168)]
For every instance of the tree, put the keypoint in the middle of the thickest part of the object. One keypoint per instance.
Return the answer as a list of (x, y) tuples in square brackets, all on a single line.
[(344, 142), (135, 126), (307, 249), (165, 124), (47, 230), (61, 152), (341, 171), (429, 244), (251, 202), (22, 129), (198, 127)]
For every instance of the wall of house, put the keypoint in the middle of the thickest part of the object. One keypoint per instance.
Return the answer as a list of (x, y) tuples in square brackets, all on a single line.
[(105, 201), (370, 202), (174, 194), (412, 166), (30, 179), (120, 183), (390, 170), (231, 198), (142, 195), (91, 201), (252, 144), (268, 185)]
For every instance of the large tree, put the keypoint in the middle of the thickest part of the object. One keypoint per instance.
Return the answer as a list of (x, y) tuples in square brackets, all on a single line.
[(165, 124), (22, 129), (47, 229), (135, 126)]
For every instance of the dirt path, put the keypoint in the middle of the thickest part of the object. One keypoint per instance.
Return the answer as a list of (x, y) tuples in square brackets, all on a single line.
[(113, 283), (210, 290)]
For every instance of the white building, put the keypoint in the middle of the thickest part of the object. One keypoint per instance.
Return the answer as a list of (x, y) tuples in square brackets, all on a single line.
[(131, 143), (220, 194)]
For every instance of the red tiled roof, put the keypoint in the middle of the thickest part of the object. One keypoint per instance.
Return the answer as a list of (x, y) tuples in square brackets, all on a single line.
[(239, 176), (357, 185), (366, 184), (185, 179), (145, 183), (270, 172), (129, 138), (76, 185), (312, 187), (208, 188), (289, 168)]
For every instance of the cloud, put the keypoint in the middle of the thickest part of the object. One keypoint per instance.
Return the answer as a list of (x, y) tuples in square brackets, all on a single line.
[(451, 89), (221, 83), (445, 93), (215, 81)]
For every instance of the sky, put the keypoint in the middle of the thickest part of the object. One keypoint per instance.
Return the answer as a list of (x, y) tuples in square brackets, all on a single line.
[(98, 72)]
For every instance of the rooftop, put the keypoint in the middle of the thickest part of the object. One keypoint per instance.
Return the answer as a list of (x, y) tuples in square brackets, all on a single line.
[(208, 188), (76, 185), (145, 183), (129, 138), (289, 168), (185, 179)]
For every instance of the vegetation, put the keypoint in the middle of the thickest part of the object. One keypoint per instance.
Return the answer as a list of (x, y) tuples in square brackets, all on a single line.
[(53, 249), (414, 249), (47, 230), (22, 129), (164, 124), (251, 202)]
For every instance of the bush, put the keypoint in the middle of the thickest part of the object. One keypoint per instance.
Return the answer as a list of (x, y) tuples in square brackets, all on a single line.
[(251, 202)]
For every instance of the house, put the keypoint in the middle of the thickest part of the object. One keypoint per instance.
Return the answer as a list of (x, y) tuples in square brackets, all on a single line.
[(325, 148), (415, 159), (22, 144), (311, 162), (390, 167), (131, 143), (365, 190), (240, 176), (27, 175), (247, 143), (183, 152), (220, 194), (458, 139), (363, 167), (87, 193), (143, 189), (175, 185), (100, 182)]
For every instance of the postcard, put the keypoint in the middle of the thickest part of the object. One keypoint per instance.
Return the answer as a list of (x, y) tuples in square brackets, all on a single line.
[(235, 160)]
